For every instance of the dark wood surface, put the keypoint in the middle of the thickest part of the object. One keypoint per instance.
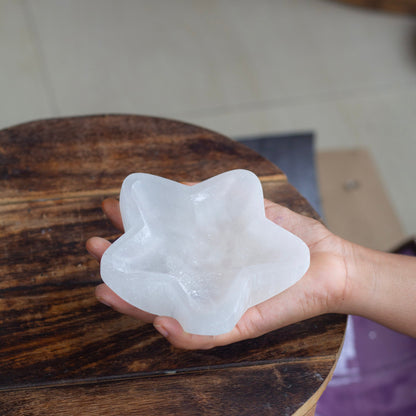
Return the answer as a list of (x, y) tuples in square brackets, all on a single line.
[(62, 352), (395, 6)]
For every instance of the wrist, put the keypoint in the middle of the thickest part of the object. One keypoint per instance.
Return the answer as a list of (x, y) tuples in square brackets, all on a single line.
[(381, 286), (360, 279)]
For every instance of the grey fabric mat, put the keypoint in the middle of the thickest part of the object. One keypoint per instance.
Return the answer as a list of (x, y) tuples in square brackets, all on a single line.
[(295, 155)]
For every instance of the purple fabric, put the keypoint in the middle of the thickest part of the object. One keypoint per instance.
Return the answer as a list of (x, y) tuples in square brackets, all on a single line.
[(375, 375)]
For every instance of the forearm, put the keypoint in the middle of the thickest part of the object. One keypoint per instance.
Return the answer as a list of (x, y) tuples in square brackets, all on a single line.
[(381, 287)]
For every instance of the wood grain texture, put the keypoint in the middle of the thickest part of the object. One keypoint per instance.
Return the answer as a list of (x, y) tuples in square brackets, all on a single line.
[(246, 390), (60, 349), (92, 155)]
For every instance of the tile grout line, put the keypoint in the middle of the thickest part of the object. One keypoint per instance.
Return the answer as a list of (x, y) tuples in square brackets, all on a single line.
[(318, 97), (46, 79)]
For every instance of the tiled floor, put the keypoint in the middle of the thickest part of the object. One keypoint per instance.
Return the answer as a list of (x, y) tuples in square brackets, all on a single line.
[(236, 66)]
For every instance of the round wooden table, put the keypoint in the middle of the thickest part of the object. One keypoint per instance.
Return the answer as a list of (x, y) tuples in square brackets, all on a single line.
[(62, 352)]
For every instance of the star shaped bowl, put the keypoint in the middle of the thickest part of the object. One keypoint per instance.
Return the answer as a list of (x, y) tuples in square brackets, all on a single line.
[(202, 254)]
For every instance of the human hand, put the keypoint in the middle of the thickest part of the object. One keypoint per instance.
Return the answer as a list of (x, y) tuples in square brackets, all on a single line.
[(321, 290)]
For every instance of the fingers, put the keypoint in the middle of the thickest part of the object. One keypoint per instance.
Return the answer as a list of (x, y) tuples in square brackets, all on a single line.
[(96, 246), (166, 326), (256, 321), (106, 296), (111, 208), (304, 227), (283, 216), (174, 333)]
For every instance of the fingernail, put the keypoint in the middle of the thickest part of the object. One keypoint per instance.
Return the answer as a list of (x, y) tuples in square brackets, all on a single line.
[(162, 330), (104, 301)]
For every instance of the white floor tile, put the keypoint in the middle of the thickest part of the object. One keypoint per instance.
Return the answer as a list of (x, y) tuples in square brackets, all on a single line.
[(170, 57), (237, 66), (323, 117), (23, 86)]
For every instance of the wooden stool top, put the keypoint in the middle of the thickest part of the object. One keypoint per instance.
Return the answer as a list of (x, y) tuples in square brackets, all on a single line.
[(62, 352)]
